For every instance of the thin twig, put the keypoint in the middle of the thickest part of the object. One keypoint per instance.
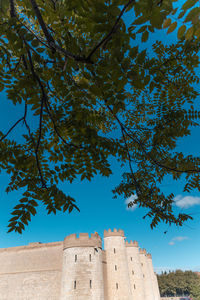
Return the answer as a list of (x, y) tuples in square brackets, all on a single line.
[(32, 32), (17, 64), (138, 191), (48, 109), (41, 118), (5, 135), (113, 30), (42, 100)]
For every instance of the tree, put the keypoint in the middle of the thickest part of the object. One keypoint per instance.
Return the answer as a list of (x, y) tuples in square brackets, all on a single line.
[(77, 72), (179, 283), (195, 291)]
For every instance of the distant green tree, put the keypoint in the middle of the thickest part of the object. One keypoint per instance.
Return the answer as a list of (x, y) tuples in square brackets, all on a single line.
[(195, 291), (179, 283), (88, 93)]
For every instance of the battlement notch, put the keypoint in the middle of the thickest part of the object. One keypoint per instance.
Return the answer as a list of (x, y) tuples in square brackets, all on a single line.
[(132, 244), (143, 251), (83, 240), (115, 232)]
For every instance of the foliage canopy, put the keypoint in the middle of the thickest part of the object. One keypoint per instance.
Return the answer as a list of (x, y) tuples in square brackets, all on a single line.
[(88, 92), (179, 283)]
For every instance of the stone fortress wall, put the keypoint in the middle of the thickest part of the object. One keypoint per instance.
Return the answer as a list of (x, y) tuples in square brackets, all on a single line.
[(31, 272), (78, 269)]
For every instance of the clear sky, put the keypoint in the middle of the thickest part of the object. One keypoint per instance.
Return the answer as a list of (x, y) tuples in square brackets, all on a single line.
[(178, 248)]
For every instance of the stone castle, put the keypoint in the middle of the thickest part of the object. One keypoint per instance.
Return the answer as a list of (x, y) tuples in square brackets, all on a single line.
[(78, 269)]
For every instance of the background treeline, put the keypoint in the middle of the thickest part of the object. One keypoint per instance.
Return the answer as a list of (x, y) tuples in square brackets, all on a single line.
[(179, 283)]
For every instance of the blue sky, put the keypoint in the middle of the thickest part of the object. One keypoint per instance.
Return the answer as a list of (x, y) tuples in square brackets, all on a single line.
[(178, 248)]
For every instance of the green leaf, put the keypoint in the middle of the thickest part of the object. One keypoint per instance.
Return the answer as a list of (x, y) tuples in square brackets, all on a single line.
[(1, 87), (172, 27), (133, 52), (189, 33), (70, 209), (167, 23), (145, 36), (197, 33), (35, 43), (142, 29), (189, 4), (140, 20), (181, 31), (181, 14), (193, 15), (156, 20), (40, 50), (141, 57)]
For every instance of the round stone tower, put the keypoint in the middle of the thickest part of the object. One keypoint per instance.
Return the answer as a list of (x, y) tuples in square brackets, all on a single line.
[(135, 270), (153, 278), (118, 282), (82, 274), (148, 286)]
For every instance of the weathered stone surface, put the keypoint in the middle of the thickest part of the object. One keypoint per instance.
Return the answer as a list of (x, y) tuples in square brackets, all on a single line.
[(78, 269)]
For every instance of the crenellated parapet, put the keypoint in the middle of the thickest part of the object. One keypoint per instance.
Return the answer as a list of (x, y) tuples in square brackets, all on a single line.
[(115, 232), (149, 255), (132, 244), (143, 251), (83, 240)]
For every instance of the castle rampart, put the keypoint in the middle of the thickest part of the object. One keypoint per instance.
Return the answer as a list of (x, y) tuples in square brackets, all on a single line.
[(82, 273), (115, 232), (135, 270), (148, 285), (131, 244), (117, 266), (153, 278), (83, 240), (78, 269)]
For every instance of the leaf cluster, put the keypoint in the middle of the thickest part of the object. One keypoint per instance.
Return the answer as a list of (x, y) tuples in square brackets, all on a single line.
[(88, 94)]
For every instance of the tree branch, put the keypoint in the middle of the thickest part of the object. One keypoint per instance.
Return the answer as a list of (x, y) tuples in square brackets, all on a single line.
[(41, 118), (32, 32), (12, 9), (113, 30), (48, 109), (36, 156), (50, 39), (140, 143), (138, 191), (44, 101), (158, 163)]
